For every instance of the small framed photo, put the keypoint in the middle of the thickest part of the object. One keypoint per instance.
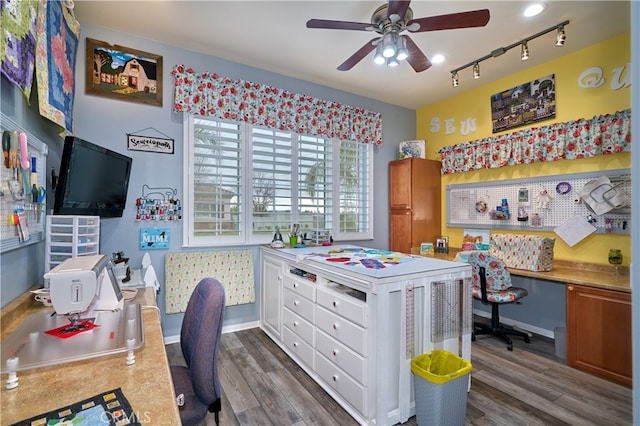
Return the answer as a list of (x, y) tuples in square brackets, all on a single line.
[(442, 245), (426, 249), (119, 72)]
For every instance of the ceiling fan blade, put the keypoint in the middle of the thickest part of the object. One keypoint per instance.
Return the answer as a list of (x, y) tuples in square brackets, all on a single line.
[(339, 25), (397, 7), (418, 60), (475, 18), (358, 56)]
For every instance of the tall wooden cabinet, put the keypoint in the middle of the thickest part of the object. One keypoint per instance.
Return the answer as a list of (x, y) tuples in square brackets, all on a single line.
[(599, 332), (414, 198)]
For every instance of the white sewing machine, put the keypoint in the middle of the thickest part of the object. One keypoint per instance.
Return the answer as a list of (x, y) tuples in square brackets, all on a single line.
[(80, 286)]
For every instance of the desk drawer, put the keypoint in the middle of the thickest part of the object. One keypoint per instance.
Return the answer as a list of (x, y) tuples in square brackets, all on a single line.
[(343, 305), (299, 305), (298, 325), (342, 356), (349, 389), (298, 346), (342, 330), (299, 286)]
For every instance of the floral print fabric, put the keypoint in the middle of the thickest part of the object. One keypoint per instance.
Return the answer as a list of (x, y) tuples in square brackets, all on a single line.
[(499, 289), (209, 94), (582, 138)]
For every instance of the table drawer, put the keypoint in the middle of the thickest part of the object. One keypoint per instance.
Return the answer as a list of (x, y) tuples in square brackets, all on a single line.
[(342, 356), (295, 344), (299, 286), (349, 389), (342, 330), (298, 325), (343, 305), (298, 304)]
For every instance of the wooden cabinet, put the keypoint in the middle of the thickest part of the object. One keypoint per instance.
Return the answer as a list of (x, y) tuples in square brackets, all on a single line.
[(414, 200), (599, 332)]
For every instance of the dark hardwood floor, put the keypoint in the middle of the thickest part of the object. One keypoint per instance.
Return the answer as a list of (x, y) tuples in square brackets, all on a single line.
[(528, 386)]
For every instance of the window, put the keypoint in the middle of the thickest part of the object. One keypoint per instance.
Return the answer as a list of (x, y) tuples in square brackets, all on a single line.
[(243, 181)]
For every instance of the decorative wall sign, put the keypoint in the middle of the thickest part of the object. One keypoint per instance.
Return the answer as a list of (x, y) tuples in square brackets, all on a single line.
[(122, 73), (150, 144), (154, 238), (524, 104)]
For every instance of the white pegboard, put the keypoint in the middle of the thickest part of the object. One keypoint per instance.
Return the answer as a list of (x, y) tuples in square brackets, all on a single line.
[(8, 233), (465, 202)]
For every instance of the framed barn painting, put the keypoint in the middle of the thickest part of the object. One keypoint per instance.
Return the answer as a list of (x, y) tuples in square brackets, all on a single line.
[(119, 72), (524, 104)]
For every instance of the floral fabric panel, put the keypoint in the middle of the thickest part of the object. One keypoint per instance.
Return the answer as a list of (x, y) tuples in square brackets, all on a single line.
[(499, 289), (183, 271), (582, 138), (18, 43), (208, 94), (56, 44)]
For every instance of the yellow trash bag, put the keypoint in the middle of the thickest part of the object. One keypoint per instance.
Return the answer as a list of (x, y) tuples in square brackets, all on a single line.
[(440, 366)]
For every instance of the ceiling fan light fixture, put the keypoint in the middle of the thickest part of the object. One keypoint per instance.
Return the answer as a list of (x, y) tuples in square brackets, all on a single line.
[(561, 36), (524, 53), (392, 62), (403, 53), (389, 42), (476, 70), (454, 79), (378, 59)]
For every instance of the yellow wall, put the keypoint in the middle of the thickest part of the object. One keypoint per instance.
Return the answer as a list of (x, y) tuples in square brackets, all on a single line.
[(572, 102)]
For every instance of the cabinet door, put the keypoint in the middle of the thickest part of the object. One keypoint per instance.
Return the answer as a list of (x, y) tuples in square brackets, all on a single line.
[(599, 332), (400, 232), (400, 184), (271, 294)]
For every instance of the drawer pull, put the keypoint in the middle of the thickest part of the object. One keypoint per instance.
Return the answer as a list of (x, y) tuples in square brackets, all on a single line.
[(295, 285), (295, 344), (295, 323), (296, 302), (335, 326), (335, 352), (335, 303), (335, 377)]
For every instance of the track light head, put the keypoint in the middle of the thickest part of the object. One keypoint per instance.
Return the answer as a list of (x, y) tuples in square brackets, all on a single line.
[(524, 53), (476, 70), (454, 79), (561, 36)]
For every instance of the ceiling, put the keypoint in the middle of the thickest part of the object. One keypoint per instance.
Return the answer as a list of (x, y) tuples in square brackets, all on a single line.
[(272, 35)]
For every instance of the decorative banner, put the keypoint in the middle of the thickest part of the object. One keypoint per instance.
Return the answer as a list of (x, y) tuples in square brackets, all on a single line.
[(150, 144), (154, 239)]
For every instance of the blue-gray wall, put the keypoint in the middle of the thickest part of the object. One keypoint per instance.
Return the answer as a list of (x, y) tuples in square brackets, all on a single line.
[(107, 122)]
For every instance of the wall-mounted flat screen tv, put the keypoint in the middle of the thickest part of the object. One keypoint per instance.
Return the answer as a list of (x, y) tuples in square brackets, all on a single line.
[(93, 180)]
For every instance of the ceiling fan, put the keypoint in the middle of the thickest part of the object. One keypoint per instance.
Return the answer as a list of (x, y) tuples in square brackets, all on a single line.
[(390, 20)]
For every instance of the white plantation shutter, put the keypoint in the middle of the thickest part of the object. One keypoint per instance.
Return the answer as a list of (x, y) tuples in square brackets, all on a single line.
[(242, 181)]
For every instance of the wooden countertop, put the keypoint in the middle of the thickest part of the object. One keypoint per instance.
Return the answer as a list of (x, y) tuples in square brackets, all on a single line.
[(147, 384), (588, 274)]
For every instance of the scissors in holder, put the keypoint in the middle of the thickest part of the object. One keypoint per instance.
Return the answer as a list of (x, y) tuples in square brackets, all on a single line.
[(38, 195)]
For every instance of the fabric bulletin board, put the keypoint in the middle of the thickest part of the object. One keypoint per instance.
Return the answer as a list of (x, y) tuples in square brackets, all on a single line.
[(233, 268)]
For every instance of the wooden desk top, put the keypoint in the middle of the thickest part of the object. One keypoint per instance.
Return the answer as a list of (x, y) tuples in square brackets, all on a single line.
[(588, 274), (147, 384)]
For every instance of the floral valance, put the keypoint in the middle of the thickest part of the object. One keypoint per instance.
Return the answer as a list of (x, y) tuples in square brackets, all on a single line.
[(208, 94), (582, 138)]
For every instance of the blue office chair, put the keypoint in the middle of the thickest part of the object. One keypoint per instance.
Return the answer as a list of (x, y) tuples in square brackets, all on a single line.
[(197, 385), (492, 285)]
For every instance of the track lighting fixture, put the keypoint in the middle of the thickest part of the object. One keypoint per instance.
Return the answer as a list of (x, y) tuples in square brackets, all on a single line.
[(561, 36), (524, 52)]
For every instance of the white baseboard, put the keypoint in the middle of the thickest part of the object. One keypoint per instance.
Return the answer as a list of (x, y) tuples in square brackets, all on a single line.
[(517, 324), (168, 340)]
